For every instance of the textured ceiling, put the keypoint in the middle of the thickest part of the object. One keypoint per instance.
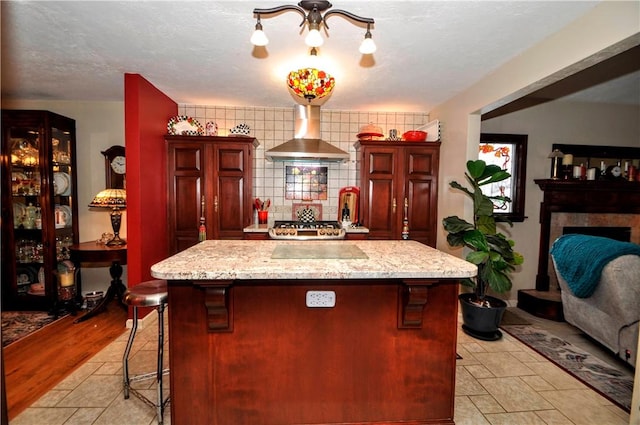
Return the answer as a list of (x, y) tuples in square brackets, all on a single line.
[(199, 52)]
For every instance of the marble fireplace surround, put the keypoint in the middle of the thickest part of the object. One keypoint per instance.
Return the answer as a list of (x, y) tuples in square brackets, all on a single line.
[(561, 220)]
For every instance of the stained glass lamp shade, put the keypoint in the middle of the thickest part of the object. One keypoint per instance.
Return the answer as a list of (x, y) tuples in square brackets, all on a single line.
[(311, 83), (116, 199)]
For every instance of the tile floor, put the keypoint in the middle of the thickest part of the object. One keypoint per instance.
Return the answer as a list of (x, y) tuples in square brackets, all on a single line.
[(501, 382)]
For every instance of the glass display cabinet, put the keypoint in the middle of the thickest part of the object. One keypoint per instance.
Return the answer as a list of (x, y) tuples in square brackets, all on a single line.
[(39, 211)]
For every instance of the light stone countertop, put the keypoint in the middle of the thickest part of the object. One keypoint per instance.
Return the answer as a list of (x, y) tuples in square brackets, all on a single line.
[(264, 228), (250, 260)]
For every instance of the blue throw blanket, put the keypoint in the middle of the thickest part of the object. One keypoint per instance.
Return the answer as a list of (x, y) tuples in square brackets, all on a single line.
[(580, 259)]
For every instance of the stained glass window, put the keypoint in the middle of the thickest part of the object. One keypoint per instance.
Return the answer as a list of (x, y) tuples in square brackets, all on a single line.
[(509, 152), (498, 154)]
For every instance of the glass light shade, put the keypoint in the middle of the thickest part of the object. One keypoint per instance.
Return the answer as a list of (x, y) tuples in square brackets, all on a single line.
[(311, 83), (259, 38), (368, 46), (110, 198), (314, 38), (116, 199)]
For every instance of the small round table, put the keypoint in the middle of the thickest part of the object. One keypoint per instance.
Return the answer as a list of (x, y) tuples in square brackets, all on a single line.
[(98, 255)]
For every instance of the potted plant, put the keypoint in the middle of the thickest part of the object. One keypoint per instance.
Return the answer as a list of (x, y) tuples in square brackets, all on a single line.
[(491, 251)]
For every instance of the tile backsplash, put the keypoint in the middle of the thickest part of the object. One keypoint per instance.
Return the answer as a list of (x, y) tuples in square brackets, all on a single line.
[(273, 126)]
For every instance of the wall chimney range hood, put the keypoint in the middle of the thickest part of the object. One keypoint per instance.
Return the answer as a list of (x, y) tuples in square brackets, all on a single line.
[(306, 146)]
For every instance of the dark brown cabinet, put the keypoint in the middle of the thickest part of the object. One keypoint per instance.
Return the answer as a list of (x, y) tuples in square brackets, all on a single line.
[(210, 180), (399, 189), (39, 208)]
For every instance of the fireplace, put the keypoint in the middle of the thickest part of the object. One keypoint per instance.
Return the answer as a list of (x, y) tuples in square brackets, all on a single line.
[(577, 204), (622, 227), (622, 234)]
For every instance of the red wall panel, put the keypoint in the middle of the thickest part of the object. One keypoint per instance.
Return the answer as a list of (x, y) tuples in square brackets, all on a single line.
[(147, 111)]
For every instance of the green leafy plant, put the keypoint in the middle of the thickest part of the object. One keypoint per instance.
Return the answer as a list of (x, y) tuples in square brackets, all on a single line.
[(491, 251)]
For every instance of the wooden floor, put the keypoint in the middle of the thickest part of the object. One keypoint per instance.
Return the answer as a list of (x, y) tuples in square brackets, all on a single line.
[(38, 362)]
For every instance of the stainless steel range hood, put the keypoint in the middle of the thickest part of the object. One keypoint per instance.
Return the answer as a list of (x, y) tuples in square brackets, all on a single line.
[(306, 144)]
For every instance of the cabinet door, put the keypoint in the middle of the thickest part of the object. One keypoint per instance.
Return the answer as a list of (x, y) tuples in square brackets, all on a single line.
[(186, 174), (214, 172), (421, 193), (231, 189), (379, 192), (62, 170)]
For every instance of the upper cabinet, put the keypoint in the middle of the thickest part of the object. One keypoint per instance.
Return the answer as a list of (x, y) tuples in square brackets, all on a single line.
[(399, 189), (39, 207), (210, 182)]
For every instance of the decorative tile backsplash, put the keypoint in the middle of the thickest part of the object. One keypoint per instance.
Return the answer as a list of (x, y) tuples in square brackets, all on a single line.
[(273, 126), (306, 182)]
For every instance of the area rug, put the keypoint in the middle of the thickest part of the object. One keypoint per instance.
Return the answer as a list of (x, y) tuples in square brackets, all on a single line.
[(18, 324), (511, 318), (594, 372)]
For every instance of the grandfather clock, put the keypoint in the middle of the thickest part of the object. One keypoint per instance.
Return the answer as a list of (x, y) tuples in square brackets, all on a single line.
[(115, 167)]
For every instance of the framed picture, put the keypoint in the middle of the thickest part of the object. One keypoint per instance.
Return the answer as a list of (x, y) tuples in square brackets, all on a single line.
[(508, 151)]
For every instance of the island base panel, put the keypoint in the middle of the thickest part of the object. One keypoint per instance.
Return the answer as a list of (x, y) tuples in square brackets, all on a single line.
[(286, 363)]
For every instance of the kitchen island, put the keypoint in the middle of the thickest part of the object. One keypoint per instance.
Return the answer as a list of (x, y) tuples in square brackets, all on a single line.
[(312, 332)]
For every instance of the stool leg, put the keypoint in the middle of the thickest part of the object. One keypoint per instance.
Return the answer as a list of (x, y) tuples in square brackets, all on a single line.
[(125, 358), (160, 407)]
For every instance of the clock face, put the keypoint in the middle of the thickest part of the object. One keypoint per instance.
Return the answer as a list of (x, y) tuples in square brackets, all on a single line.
[(118, 164)]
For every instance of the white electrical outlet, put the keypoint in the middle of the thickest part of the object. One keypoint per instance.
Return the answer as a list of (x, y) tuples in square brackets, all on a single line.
[(321, 299)]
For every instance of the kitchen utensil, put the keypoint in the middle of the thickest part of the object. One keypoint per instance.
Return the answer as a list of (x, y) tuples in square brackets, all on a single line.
[(211, 128), (415, 136), (370, 132), (184, 125), (433, 130), (263, 216), (350, 196), (371, 128), (370, 136), (240, 130)]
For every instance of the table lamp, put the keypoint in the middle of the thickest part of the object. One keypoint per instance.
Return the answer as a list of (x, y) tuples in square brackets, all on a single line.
[(116, 199), (555, 156)]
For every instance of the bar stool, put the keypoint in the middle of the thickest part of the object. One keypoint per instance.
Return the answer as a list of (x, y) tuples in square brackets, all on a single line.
[(152, 293)]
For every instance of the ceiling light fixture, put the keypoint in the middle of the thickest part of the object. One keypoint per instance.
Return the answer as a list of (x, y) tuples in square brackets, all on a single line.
[(311, 83), (368, 46), (259, 38), (311, 11)]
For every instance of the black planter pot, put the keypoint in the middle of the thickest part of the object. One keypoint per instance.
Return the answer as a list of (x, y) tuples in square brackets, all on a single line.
[(481, 322)]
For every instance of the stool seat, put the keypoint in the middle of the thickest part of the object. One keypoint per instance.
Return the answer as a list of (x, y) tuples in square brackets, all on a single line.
[(147, 294)]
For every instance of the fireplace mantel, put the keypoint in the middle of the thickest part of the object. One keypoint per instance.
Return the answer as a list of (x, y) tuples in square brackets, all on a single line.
[(597, 196), (574, 196)]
